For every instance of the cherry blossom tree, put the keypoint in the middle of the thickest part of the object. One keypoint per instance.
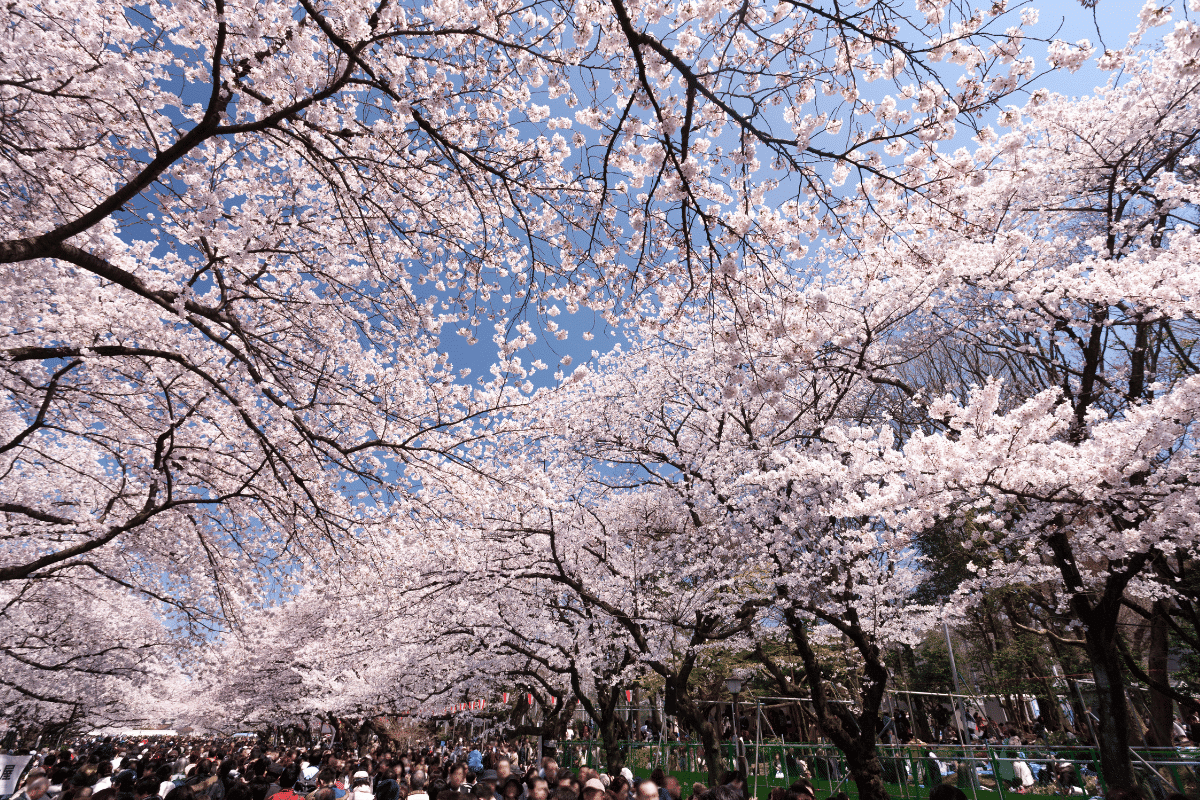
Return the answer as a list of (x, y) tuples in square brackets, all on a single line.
[(606, 604), (1068, 266), (79, 652), (669, 498), (234, 235)]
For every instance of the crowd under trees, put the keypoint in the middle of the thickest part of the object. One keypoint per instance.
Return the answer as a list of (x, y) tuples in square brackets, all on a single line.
[(907, 341)]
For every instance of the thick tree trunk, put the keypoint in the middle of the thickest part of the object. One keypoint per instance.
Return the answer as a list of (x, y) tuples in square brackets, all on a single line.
[(853, 734), (710, 741), (1161, 706), (1112, 708), (678, 702), (610, 742), (867, 772), (608, 725)]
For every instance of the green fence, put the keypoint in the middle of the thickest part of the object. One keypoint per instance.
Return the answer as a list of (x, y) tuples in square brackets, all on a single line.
[(984, 772)]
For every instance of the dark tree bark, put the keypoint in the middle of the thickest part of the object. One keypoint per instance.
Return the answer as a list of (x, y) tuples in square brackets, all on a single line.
[(681, 704), (853, 734), (1099, 615), (1161, 706), (604, 713)]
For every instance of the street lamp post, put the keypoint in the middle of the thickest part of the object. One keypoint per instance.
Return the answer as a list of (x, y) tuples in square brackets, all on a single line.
[(735, 688)]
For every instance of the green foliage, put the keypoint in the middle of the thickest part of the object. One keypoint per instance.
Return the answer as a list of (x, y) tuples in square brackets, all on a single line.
[(944, 545), (932, 673)]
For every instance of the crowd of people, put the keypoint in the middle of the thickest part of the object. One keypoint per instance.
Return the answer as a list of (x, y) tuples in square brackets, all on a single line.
[(169, 770), (220, 770), (975, 727)]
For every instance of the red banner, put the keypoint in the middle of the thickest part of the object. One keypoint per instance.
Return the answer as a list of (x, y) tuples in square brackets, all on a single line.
[(473, 705)]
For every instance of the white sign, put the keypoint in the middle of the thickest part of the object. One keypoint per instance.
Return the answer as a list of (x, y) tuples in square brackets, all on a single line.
[(11, 768)]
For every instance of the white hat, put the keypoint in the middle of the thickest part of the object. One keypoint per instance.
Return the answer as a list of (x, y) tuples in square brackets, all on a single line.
[(361, 774), (627, 774)]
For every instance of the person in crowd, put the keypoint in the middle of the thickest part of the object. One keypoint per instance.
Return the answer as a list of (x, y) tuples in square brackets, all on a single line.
[(204, 782), (104, 772), (457, 777), (737, 779), (801, 789), (489, 779), (327, 778), (287, 784), (416, 782), (146, 788), (539, 789), (593, 789), (35, 789), (512, 788), (568, 780), (361, 786), (646, 790)]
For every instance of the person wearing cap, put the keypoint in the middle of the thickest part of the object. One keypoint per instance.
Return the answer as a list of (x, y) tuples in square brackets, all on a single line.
[(362, 786), (593, 789), (490, 778)]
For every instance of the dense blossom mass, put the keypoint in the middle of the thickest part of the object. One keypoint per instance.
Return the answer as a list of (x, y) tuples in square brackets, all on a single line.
[(887, 304)]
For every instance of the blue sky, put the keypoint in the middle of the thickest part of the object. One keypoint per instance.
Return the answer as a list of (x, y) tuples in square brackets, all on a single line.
[(1107, 26)]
